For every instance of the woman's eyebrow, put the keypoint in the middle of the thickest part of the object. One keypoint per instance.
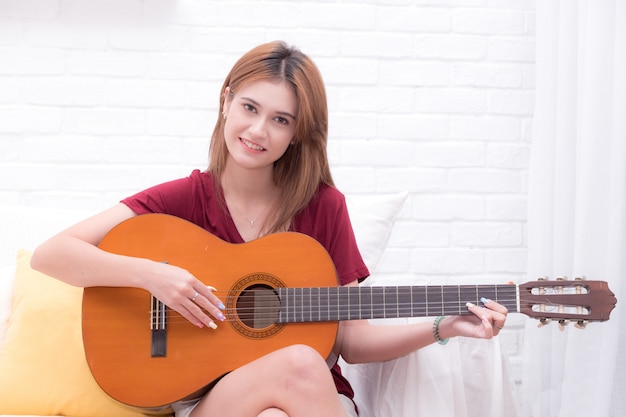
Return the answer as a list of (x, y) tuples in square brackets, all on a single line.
[(256, 103)]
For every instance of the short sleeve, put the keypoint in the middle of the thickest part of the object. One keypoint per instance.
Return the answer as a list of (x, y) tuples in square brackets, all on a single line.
[(327, 220)]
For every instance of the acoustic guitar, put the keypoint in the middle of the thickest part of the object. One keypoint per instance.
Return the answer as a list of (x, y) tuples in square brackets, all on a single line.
[(278, 290)]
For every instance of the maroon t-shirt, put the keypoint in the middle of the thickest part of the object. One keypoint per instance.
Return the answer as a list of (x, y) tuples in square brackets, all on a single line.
[(325, 219)]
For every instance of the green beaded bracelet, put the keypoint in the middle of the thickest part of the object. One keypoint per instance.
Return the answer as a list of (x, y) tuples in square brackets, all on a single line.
[(436, 331)]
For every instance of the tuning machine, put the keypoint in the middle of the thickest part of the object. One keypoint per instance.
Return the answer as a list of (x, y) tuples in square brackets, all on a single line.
[(581, 324), (543, 322)]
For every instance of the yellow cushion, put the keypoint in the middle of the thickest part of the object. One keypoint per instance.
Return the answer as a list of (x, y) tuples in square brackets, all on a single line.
[(43, 369)]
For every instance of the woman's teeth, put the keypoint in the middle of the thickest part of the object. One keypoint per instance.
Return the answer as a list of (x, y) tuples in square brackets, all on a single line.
[(252, 145)]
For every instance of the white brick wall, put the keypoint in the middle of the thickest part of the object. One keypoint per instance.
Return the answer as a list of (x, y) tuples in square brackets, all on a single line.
[(99, 99)]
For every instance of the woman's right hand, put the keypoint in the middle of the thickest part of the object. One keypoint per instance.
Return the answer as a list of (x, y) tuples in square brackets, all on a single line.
[(73, 256), (183, 292)]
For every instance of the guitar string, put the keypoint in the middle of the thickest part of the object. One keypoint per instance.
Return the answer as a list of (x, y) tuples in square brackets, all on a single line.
[(237, 314), (438, 297), (173, 317), (346, 291), (419, 289), (459, 305), (377, 308)]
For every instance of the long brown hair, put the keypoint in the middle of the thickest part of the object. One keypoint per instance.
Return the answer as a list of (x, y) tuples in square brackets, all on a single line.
[(304, 166)]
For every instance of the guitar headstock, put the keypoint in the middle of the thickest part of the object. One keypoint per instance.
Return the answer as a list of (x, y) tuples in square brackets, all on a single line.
[(580, 301)]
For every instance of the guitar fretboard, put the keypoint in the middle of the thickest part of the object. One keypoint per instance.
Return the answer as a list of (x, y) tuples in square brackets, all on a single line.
[(300, 305)]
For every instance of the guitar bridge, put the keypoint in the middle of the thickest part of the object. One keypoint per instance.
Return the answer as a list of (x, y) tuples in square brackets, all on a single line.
[(158, 327)]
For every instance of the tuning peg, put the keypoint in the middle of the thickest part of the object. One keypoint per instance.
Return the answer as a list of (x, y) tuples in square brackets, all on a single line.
[(561, 278), (580, 324), (562, 324), (582, 278), (542, 279), (543, 322)]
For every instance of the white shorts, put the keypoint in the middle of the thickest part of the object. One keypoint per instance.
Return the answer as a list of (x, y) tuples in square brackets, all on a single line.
[(184, 408)]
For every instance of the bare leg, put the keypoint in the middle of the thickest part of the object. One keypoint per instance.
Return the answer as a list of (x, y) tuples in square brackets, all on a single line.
[(293, 381)]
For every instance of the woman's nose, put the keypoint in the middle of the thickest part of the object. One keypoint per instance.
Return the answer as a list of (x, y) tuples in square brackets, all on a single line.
[(259, 127)]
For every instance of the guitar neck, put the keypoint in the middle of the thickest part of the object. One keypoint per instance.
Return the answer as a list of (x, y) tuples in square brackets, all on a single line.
[(300, 305)]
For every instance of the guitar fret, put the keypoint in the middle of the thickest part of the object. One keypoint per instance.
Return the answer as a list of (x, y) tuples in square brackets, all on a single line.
[(300, 297), (291, 296), (435, 300), (449, 302), (354, 302), (385, 296), (407, 303), (390, 302), (315, 306), (333, 304), (443, 310), (476, 288), (319, 305), (489, 292), (399, 301), (366, 303), (304, 306), (328, 308), (306, 303), (342, 308), (296, 304), (377, 303)]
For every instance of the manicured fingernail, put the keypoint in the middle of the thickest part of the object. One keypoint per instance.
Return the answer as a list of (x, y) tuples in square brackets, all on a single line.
[(221, 317), (484, 300), (212, 325), (199, 324), (221, 306), (468, 305)]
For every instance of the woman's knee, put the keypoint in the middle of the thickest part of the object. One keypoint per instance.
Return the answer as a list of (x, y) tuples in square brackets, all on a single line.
[(303, 357), (273, 412), (305, 364)]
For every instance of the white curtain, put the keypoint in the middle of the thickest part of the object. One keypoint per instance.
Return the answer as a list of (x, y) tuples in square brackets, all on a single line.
[(577, 203)]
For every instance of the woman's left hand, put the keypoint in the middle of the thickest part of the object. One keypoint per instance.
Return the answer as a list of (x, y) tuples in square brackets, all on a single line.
[(485, 322)]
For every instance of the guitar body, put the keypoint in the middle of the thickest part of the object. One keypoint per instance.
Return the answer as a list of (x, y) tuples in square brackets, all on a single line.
[(117, 332)]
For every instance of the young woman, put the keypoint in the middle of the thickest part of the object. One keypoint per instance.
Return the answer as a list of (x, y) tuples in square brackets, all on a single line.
[(268, 172)]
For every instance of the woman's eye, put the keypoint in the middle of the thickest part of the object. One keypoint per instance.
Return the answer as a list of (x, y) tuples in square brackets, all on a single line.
[(282, 120), (249, 107)]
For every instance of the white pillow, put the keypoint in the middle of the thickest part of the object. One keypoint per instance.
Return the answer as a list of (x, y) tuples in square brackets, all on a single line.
[(26, 227), (372, 218)]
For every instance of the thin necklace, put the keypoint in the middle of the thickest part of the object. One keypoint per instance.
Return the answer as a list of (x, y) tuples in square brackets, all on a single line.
[(251, 222)]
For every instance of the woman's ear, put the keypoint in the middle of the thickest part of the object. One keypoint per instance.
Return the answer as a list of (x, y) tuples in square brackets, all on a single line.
[(227, 101)]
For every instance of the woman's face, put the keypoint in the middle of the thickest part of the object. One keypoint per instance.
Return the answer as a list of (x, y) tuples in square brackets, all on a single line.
[(260, 123)]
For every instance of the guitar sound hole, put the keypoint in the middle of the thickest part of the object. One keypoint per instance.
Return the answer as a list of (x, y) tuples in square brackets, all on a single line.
[(258, 306)]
